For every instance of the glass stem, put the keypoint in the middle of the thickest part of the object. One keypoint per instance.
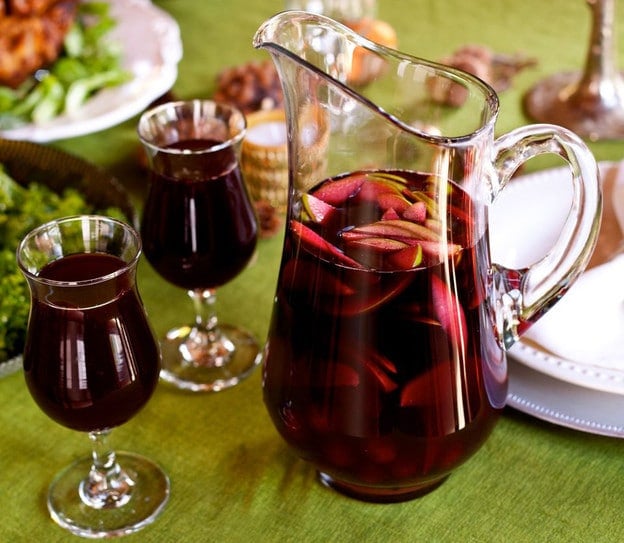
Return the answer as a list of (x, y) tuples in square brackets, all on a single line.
[(205, 312), (206, 345), (107, 485)]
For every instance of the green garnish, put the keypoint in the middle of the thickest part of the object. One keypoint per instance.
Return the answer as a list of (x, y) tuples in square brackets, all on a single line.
[(88, 63), (22, 208)]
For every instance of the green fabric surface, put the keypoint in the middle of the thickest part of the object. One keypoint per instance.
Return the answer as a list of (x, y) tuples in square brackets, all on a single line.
[(232, 477)]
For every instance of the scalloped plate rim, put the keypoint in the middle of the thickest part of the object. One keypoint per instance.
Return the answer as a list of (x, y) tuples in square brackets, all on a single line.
[(155, 71)]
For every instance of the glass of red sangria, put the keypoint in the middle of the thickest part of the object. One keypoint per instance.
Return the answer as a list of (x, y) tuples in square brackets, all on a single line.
[(199, 231), (91, 362)]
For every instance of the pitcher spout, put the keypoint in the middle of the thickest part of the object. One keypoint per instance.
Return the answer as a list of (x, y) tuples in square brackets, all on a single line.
[(410, 91)]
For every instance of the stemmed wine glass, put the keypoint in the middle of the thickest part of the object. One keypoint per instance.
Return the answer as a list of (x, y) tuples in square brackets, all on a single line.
[(590, 103), (91, 362), (199, 231)]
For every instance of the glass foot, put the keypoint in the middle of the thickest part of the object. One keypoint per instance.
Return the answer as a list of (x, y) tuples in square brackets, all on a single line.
[(191, 361), (594, 113), (380, 494), (148, 494)]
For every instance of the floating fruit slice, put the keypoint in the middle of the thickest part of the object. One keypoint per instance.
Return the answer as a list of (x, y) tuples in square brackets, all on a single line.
[(372, 189), (382, 361), (440, 250), (373, 292), (341, 375), (419, 196), (395, 201), (384, 382), (434, 224), (376, 366), (337, 192), (380, 366), (390, 214), (416, 212), (381, 245), (315, 242), (434, 387), (401, 230), (318, 210), (449, 312), (406, 258), (302, 275), (390, 179)]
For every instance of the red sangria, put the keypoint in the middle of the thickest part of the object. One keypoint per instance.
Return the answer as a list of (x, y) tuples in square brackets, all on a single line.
[(199, 231), (199, 228), (375, 369), (78, 363)]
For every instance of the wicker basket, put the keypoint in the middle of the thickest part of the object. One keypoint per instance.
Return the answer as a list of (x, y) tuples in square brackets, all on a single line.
[(264, 158)]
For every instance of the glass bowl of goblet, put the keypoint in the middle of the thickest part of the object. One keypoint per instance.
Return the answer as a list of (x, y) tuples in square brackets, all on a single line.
[(91, 362)]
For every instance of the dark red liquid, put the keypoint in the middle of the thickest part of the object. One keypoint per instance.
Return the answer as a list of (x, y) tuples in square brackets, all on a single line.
[(91, 361), (199, 228), (379, 375)]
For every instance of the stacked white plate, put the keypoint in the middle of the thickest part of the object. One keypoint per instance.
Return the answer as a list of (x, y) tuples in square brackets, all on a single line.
[(568, 369)]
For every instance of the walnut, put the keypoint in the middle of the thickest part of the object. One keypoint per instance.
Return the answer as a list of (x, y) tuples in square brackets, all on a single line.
[(250, 87), (268, 219)]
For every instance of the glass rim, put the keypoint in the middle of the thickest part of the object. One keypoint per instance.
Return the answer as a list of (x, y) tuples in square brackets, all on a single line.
[(229, 142), (84, 282)]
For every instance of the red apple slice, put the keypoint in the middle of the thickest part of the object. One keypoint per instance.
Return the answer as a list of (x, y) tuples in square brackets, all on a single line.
[(371, 292), (440, 250), (416, 212), (449, 312), (380, 245), (382, 361), (419, 196), (390, 214), (337, 192), (406, 258), (305, 276), (401, 230), (395, 201), (377, 366), (314, 242), (343, 375), (371, 190), (383, 380), (430, 388), (318, 210), (396, 181)]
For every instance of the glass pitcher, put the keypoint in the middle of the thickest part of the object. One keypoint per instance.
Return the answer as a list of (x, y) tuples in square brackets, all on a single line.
[(385, 360)]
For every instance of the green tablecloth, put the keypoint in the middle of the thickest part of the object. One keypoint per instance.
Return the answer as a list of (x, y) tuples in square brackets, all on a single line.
[(233, 479)]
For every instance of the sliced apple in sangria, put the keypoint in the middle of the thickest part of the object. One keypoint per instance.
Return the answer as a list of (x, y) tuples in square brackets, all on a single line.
[(337, 192), (317, 210), (318, 245), (449, 312)]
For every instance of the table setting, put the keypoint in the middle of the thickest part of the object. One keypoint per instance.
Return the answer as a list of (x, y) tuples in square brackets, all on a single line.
[(399, 319)]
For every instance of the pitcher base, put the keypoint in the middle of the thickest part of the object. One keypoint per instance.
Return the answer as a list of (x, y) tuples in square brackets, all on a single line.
[(380, 494)]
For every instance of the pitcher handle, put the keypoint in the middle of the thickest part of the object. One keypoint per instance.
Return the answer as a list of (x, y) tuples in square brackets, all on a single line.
[(519, 297)]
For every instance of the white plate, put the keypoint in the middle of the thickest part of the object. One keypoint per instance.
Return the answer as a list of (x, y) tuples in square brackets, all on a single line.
[(563, 403), (533, 208), (152, 48), (578, 394)]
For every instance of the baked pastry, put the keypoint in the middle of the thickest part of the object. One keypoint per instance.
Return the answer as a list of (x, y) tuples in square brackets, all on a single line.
[(31, 36)]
